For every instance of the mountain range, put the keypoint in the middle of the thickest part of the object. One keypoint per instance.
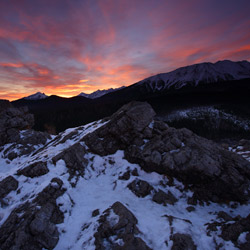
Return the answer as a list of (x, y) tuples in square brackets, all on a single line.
[(223, 85), (96, 94), (194, 75)]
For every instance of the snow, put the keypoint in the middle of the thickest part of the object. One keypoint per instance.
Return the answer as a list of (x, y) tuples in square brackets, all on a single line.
[(197, 73), (242, 238), (99, 93), (36, 96)]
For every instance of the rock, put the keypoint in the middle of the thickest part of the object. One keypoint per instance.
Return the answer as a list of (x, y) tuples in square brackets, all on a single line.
[(12, 120), (246, 245), (183, 242), (135, 172), (95, 213), (161, 197), (15, 128), (233, 231), (74, 159), (140, 188), (32, 225), (123, 127), (190, 209), (223, 215), (118, 230), (125, 176), (200, 164), (7, 185), (4, 104), (34, 170), (197, 162)]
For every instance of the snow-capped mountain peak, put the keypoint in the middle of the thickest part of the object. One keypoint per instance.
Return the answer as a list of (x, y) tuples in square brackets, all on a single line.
[(98, 93), (36, 96), (199, 74)]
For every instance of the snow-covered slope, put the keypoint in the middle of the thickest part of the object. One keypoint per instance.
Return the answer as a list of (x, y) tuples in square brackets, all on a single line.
[(99, 93), (83, 190), (199, 74), (36, 96)]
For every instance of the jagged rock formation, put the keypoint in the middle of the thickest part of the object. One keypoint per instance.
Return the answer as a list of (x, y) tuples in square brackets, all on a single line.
[(32, 225), (118, 230), (7, 185), (12, 121), (212, 172), (126, 182)]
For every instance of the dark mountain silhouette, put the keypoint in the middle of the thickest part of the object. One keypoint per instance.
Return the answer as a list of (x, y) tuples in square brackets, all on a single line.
[(57, 113)]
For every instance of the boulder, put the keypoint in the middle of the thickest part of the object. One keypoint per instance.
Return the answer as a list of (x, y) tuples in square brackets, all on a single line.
[(183, 242), (125, 127), (7, 185), (161, 197), (118, 230), (74, 159), (13, 120), (140, 188), (34, 170)]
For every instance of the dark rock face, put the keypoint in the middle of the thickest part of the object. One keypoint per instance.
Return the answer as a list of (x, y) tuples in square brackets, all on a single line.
[(140, 188), (232, 231), (7, 185), (210, 171), (118, 233), (74, 159), (124, 128), (4, 104), (12, 120), (25, 143), (34, 170), (183, 242), (32, 225), (161, 197)]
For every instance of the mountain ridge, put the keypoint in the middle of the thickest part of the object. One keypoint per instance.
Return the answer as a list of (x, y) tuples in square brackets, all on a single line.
[(70, 112), (37, 96), (98, 93), (199, 73)]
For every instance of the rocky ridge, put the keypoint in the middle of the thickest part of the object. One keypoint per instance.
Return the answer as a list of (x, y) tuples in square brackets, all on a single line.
[(125, 182)]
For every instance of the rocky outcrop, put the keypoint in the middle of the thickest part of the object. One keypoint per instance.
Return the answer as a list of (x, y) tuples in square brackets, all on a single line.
[(183, 242), (161, 197), (232, 231), (33, 225), (140, 188), (74, 159), (12, 120), (7, 185), (124, 128), (15, 128), (118, 230), (34, 170), (212, 172)]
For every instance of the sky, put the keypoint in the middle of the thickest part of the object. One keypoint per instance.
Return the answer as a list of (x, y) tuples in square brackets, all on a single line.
[(65, 47)]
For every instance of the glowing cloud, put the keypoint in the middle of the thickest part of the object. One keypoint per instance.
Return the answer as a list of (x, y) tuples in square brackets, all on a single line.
[(67, 47)]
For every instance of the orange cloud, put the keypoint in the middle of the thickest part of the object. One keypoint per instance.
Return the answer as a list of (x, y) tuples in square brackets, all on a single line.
[(83, 80), (12, 65)]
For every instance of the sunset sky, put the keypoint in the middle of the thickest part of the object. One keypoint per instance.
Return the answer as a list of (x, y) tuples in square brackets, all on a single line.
[(65, 47)]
